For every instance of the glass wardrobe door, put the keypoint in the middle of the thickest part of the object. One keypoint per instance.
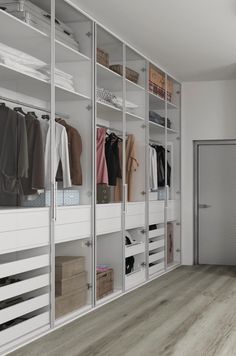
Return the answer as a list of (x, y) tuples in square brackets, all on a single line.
[(135, 168), (157, 171), (173, 172), (73, 161), (24, 192), (109, 173)]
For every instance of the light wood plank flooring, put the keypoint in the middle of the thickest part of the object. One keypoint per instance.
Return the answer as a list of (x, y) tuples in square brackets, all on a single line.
[(189, 312)]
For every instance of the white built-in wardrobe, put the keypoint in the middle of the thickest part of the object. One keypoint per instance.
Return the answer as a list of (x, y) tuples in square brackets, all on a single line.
[(74, 221)]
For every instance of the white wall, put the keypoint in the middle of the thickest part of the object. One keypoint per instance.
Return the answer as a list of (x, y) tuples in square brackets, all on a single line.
[(208, 112)]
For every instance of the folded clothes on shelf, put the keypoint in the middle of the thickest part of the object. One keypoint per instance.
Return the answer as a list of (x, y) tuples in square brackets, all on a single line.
[(158, 119), (36, 17), (27, 64), (103, 268), (20, 57), (105, 96), (23, 68)]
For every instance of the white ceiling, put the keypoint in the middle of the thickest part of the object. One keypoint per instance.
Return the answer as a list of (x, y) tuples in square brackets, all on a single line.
[(191, 39)]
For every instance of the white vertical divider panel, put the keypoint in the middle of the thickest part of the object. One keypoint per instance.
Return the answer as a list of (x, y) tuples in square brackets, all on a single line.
[(53, 207), (124, 195), (94, 169), (147, 165), (166, 187)]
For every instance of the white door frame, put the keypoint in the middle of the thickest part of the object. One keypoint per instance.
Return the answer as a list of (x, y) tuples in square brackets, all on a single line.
[(196, 146)]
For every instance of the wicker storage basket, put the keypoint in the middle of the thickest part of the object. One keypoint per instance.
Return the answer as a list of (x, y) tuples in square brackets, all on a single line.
[(105, 283), (102, 57), (65, 304), (169, 89), (130, 73), (69, 266), (157, 90), (70, 285)]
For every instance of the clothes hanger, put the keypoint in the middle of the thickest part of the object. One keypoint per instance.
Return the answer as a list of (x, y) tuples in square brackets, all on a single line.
[(45, 117), (33, 114), (20, 110)]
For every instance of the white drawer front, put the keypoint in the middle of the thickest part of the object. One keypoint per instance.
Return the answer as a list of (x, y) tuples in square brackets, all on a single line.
[(23, 265), (70, 232), (156, 256), (108, 218), (108, 211), (156, 212), (156, 206), (156, 244), (135, 208), (134, 250), (106, 226), (23, 239), (24, 328), (23, 308), (23, 219), (133, 221), (156, 268), (172, 210), (69, 215), (157, 232), (134, 279), (25, 286)]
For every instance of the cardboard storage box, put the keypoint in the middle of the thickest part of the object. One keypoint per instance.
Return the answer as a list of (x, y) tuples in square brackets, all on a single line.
[(105, 281), (102, 57), (66, 304), (69, 285), (69, 266), (156, 77)]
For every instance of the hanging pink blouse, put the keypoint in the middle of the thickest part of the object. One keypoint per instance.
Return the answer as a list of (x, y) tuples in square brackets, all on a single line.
[(102, 173)]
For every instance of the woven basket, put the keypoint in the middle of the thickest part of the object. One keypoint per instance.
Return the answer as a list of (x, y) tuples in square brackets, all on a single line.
[(102, 57), (130, 73)]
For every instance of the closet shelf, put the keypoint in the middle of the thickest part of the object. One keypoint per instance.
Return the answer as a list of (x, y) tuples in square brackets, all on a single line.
[(109, 297), (108, 79), (32, 86), (131, 86), (65, 53), (156, 102), (108, 112), (172, 265), (171, 105), (158, 127), (34, 41), (132, 116)]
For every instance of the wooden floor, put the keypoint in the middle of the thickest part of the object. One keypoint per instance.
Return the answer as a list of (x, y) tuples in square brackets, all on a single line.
[(191, 311)]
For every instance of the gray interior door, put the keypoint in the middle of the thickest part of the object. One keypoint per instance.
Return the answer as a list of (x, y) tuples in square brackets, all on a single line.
[(217, 204)]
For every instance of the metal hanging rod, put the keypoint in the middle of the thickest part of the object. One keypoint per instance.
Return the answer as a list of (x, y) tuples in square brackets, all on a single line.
[(111, 129), (156, 142), (35, 107)]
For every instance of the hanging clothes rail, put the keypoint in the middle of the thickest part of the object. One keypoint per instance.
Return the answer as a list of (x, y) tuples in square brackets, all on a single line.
[(156, 143), (111, 129), (35, 107)]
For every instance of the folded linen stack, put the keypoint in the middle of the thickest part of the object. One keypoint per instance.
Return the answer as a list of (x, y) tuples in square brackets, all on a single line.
[(27, 64), (62, 79)]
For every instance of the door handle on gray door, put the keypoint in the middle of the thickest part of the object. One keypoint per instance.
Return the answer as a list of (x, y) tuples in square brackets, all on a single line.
[(204, 206)]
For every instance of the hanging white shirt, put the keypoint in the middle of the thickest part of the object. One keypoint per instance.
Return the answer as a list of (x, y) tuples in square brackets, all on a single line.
[(153, 179), (60, 153)]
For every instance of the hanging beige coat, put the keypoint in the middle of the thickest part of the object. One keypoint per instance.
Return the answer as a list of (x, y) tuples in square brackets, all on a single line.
[(131, 165)]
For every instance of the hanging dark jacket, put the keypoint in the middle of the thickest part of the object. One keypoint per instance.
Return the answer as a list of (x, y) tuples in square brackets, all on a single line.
[(36, 175), (14, 161), (75, 151)]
